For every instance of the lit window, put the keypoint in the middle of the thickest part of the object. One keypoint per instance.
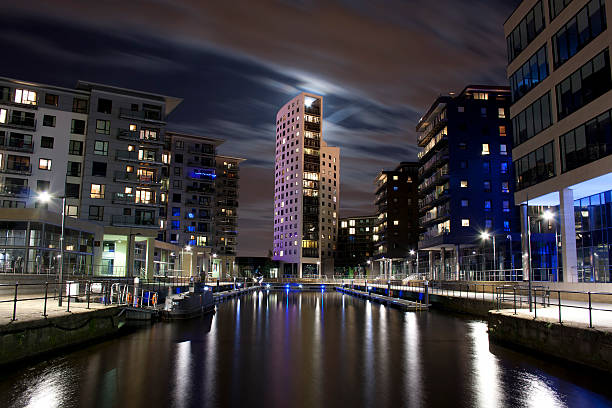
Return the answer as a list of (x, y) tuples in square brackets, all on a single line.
[(465, 203), (132, 128), (488, 223), (507, 226), (344, 224), (2, 115), (103, 127), (465, 222), (485, 149), (97, 191), (101, 148), (505, 187), (24, 96), (464, 183), (395, 178), (504, 167), (395, 222), (44, 164), (506, 206), (503, 150), (501, 113), (487, 205), (352, 223), (481, 95), (460, 109), (502, 131), (352, 231)]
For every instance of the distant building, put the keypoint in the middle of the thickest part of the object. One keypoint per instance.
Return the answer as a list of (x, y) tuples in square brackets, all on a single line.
[(306, 190), (355, 253), (397, 228), (466, 181), (561, 83), (254, 266)]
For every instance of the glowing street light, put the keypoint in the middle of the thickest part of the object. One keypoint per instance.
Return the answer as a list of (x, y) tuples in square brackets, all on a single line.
[(485, 235)]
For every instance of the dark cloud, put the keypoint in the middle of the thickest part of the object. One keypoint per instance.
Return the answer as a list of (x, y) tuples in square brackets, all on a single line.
[(378, 64)]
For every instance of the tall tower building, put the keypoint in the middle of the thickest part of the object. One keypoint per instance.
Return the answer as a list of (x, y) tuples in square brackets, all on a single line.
[(306, 190)]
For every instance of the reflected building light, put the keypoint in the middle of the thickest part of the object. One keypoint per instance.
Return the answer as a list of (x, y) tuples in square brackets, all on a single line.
[(537, 393), (486, 367), (412, 353), (51, 389), (182, 383)]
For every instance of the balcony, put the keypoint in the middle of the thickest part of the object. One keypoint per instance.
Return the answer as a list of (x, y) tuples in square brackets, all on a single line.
[(207, 152), (134, 156), (200, 190), (18, 122), (133, 221), (124, 177), (150, 116), (198, 217), (7, 143), (135, 136), (12, 190), (312, 127), (198, 203), (132, 199), (25, 170), (312, 110)]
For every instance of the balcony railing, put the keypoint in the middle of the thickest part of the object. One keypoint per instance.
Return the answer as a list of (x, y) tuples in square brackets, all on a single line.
[(133, 177), (134, 156), (17, 169), (132, 199), (201, 190), (19, 122), (16, 145), (143, 115), (208, 152), (133, 221), (14, 190), (135, 136)]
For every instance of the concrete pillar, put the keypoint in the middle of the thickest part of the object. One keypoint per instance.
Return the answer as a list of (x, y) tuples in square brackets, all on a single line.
[(441, 277), (431, 265), (525, 247), (129, 256), (300, 267), (568, 235), (150, 258), (457, 261)]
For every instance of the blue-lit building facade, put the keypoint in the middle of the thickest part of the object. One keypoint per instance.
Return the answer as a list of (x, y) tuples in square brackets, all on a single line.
[(465, 184), (561, 82)]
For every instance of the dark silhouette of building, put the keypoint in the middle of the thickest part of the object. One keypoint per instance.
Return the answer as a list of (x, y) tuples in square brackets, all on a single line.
[(355, 249)]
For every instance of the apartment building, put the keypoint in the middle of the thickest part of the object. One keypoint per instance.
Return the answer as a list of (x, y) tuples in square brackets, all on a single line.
[(559, 72), (306, 190), (355, 247), (396, 232), (465, 179)]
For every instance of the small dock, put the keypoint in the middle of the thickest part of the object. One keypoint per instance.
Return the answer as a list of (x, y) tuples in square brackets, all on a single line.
[(223, 296), (403, 304)]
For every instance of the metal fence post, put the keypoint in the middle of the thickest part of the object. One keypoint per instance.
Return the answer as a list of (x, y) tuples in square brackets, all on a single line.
[(46, 292), (15, 302), (559, 300), (535, 304), (88, 288), (69, 287), (514, 293), (590, 314)]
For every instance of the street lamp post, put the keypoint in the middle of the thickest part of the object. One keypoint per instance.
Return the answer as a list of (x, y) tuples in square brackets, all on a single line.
[(319, 269), (45, 197), (485, 236), (509, 237)]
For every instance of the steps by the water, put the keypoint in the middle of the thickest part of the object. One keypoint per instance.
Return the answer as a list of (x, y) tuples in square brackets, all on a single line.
[(398, 303)]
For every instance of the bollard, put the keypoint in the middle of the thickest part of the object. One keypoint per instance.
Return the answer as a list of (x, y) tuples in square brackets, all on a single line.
[(559, 298), (15, 302), (46, 292)]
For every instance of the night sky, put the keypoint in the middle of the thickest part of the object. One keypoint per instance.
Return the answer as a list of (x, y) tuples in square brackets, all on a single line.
[(379, 65)]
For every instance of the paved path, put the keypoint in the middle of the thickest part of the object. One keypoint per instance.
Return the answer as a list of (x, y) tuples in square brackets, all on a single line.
[(29, 310)]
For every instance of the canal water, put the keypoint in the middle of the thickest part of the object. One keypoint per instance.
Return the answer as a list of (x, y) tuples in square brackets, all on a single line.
[(310, 349)]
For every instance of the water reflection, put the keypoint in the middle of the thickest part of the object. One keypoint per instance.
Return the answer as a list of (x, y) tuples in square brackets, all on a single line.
[(279, 349)]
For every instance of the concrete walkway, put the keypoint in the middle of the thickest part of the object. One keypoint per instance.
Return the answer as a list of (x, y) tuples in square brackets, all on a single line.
[(30, 310), (572, 311)]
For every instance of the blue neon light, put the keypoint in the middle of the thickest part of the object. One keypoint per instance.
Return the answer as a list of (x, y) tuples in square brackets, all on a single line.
[(203, 174)]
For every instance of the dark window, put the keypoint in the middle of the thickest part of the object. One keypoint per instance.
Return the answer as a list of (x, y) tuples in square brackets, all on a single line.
[(72, 190), (176, 211), (487, 186), (176, 198), (96, 212), (531, 121), (51, 99), (587, 143), (134, 107), (75, 147), (556, 7), (42, 185), (105, 106), (177, 171), (77, 127), (535, 167), (127, 211), (525, 32), (585, 85), (74, 169), (46, 142), (49, 120), (534, 71), (79, 105), (98, 169), (178, 158), (579, 31)]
